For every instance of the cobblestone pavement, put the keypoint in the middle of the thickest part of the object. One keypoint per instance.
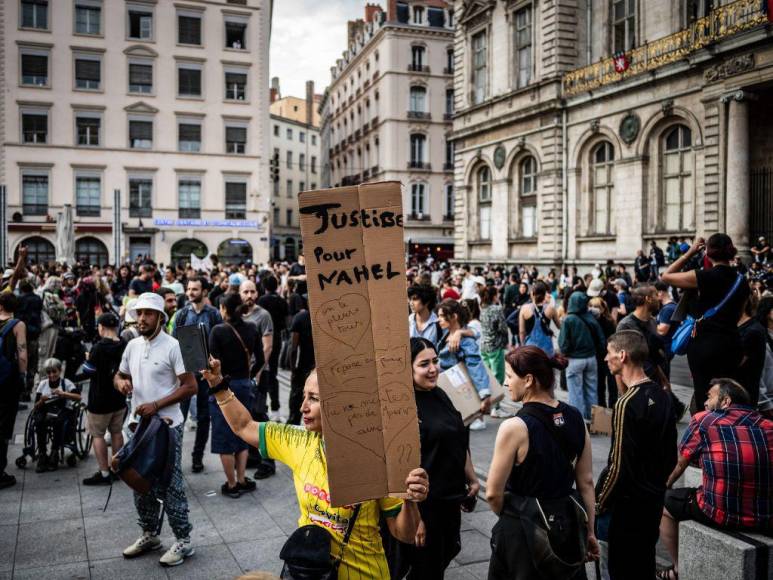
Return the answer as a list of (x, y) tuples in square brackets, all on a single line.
[(53, 527)]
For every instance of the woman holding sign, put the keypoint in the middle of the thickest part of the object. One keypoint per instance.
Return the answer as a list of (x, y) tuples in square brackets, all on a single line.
[(354, 530)]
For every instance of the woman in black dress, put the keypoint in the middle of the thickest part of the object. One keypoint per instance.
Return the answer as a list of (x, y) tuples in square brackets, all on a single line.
[(234, 343), (446, 458), (716, 350)]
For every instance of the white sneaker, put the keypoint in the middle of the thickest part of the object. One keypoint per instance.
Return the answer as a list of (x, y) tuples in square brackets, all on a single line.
[(478, 425), (176, 555), (501, 413), (191, 424), (147, 542)]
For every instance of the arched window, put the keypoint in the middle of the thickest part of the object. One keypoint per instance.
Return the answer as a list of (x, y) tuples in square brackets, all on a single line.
[(678, 193), (234, 251), (602, 210), (419, 206), (527, 192), (418, 102), (39, 250), (91, 251), (484, 202), (182, 250), (418, 150)]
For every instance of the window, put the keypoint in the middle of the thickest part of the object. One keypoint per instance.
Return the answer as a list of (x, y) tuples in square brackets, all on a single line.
[(88, 74), (623, 25), (189, 136), (140, 23), (484, 203), (418, 14), (523, 46), (301, 161), (235, 139), (313, 187), (290, 133), (276, 187), (313, 139), (417, 57), (418, 102), (602, 189), (91, 251), (189, 197), (678, 185), (696, 9), (418, 142), (276, 216), (418, 200), (34, 14), (87, 128), (34, 68), (140, 197), (189, 28), (448, 201), (235, 200), (88, 194), (449, 102), (189, 80), (449, 163), (301, 136), (235, 33), (236, 89), (449, 60), (528, 194), (34, 127), (276, 130), (289, 216), (313, 164), (302, 186), (34, 192), (140, 78), (289, 188), (88, 17), (436, 17), (140, 134), (289, 160), (479, 67)]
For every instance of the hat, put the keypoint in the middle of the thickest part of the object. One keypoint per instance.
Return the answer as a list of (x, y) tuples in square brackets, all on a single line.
[(108, 320), (595, 288), (148, 301), (68, 276), (479, 280), (235, 279), (127, 317), (8, 273), (622, 283)]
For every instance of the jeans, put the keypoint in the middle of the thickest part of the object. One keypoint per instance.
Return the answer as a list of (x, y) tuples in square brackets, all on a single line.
[(173, 496), (202, 418), (582, 380)]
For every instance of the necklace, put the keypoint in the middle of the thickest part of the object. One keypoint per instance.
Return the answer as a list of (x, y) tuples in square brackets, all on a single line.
[(639, 382)]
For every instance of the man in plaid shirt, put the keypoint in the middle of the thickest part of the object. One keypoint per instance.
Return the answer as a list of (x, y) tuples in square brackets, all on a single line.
[(735, 446)]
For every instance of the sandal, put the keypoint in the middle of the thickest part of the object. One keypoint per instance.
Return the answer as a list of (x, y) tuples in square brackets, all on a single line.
[(667, 574)]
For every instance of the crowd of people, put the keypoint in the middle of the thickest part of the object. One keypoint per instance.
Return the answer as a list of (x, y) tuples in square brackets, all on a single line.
[(603, 336)]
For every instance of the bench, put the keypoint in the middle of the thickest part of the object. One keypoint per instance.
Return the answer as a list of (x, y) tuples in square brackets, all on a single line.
[(709, 554)]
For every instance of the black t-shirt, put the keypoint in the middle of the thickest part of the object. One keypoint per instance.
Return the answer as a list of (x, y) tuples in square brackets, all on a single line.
[(754, 338), (302, 325), (29, 311), (299, 270), (138, 286), (105, 358), (444, 442), (277, 308), (226, 347), (713, 285)]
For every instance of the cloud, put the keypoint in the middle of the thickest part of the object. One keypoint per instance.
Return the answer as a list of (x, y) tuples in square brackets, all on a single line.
[(307, 36)]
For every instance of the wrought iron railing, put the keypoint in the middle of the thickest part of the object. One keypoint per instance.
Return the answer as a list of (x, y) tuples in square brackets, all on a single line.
[(723, 22)]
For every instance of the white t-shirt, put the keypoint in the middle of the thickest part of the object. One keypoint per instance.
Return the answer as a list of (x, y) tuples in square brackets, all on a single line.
[(154, 367), (44, 390)]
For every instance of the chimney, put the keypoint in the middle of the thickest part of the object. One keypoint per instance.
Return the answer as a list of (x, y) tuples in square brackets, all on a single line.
[(353, 28), (310, 103), (274, 93), (392, 10), (371, 10)]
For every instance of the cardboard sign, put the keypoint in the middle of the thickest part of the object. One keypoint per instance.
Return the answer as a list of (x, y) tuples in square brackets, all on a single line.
[(458, 386), (601, 420), (355, 270)]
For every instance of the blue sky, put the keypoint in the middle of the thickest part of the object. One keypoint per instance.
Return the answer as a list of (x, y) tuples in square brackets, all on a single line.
[(306, 38)]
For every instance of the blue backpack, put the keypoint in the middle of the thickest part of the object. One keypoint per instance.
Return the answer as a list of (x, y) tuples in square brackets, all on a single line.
[(7, 366), (148, 457)]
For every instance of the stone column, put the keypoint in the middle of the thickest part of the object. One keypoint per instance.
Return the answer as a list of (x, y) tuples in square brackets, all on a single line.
[(737, 194)]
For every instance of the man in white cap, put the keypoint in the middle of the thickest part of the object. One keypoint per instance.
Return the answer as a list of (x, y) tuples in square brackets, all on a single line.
[(152, 370)]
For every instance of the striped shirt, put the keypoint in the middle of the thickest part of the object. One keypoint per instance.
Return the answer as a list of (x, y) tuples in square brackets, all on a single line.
[(735, 449)]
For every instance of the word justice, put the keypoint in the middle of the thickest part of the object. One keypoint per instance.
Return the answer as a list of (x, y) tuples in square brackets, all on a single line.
[(366, 218)]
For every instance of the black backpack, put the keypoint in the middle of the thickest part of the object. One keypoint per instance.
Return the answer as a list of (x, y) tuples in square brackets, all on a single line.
[(148, 458)]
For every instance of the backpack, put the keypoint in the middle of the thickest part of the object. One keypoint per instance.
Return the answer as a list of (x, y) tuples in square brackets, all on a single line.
[(7, 365), (148, 458)]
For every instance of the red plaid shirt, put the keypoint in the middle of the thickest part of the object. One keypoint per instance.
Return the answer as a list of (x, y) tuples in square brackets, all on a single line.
[(735, 446)]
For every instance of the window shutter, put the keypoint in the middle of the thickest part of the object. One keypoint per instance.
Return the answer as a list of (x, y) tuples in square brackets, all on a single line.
[(34, 64), (236, 135), (87, 70), (235, 193), (189, 30), (190, 132), (140, 74), (141, 130), (235, 79)]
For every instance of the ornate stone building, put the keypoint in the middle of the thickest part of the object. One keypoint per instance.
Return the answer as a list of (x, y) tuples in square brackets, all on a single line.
[(585, 129)]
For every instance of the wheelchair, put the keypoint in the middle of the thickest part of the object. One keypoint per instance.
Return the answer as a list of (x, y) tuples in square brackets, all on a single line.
[(76, 444)]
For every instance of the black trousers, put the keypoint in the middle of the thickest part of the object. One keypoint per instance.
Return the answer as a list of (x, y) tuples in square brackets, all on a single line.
[(297, 381), (9, 407), (259, 412), (202, 418), (712, 356), (59, 424), (270, 374), (633, 533)]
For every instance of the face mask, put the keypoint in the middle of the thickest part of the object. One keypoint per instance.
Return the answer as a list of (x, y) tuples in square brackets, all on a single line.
[(594, 311)]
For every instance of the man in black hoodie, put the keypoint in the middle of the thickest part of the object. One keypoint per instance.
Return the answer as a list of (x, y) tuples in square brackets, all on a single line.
[(106, 406)]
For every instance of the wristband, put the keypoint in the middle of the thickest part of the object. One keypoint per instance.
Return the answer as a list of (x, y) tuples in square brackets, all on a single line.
[(222, 386)]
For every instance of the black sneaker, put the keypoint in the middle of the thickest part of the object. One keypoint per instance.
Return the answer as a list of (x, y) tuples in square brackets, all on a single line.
[(53, 461), (97, 479), (6, 480), (264, 471), (198, 466), (42, 465), (248, 485), (233, 492)]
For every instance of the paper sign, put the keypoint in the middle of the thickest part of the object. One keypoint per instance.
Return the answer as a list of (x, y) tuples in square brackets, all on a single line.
[(458, 386), (355, 269)]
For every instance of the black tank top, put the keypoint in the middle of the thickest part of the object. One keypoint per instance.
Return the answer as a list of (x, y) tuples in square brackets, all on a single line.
[(546, 473)]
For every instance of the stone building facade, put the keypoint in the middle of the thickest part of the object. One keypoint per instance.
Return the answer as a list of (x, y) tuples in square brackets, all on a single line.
[(387, 114), (164, 102), (585, 129)]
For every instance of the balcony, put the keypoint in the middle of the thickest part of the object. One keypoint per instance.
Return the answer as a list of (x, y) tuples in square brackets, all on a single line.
[(419, 68), (357, 134), (721, 23), (366, 174), (448, 116), (375, 75), (374, 122), (419, 165), (419, 115), (351, 180), (448, 166), (419, 217), (358, 92), (448, 71), (374, 171), (88, 210), (449, 217), (365, 127), (366, 83)]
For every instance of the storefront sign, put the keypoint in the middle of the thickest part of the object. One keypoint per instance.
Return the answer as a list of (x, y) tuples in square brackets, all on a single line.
[(192, 223)]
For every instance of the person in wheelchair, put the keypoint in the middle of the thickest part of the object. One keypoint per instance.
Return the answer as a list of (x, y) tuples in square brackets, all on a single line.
[(54, 410)]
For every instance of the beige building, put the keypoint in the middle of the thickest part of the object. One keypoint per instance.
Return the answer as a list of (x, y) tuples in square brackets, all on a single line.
[(161, 101), (295, 165), (387, 114), (584, 130)]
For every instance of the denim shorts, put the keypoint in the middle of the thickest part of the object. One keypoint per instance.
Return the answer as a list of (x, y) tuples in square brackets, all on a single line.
[(224, 440)]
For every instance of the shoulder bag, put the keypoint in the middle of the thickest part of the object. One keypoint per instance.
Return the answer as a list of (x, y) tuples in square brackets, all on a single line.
[(306, 553), (244, 347), (689, 328)]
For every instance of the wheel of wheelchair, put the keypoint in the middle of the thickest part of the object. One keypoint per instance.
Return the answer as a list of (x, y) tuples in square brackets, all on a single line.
[(30, 443), (21, 462), (82, 435)]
